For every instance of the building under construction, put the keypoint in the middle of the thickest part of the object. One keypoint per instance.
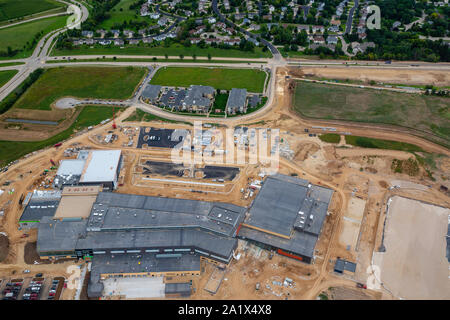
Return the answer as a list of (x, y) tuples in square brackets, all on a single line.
[(128, 235), (92, 167), (287, 216)]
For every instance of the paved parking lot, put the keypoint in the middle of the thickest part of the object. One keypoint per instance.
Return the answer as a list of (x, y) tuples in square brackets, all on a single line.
[(135, 287)]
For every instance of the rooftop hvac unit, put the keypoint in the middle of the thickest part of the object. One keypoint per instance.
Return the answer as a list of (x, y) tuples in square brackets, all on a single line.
[(311, 217)]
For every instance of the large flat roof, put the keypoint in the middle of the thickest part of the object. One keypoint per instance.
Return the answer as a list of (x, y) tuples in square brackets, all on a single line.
[(41, 204), (101, 165), (288, 213), (276, 206), (115, 211), (70, 167)]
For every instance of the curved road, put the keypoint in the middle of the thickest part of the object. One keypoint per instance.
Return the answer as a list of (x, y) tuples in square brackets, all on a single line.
[(39, 55)]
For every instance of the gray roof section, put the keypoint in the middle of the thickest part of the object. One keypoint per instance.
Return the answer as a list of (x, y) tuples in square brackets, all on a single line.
[(151, 92), (181, 288), (70, 167), (197, 96), (290, 207), (57, 236), (114, 211), (448, 243), (237, 98), (300, 242), (129, 263), (276, 206), (41, 204), (36, 210), (176, 238), (342, 265)]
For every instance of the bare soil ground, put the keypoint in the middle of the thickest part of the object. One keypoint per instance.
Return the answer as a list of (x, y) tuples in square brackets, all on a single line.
[(345, 293), (386, 75), (31, 255), (414, 265), (4, 247)]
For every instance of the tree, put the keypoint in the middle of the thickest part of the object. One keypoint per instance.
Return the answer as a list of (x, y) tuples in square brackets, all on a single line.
[(194, 56), (209, 56), (181, 56), (166, 55)]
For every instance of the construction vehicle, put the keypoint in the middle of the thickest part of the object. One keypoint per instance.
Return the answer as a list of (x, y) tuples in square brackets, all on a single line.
[(52, 162), (58, 145), (25, 235), (361, 285)]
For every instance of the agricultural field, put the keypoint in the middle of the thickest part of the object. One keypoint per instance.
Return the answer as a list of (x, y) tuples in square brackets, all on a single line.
[(13, 9), (6, 75), (89, 116), (22, 36), (81, 82), (121, 13), (172, 50), (427, 115), (218, 78)]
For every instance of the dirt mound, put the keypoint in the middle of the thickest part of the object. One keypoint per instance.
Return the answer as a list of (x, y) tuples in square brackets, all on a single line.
[(383, 184), (31, 255), (305, 149), (4, 247)]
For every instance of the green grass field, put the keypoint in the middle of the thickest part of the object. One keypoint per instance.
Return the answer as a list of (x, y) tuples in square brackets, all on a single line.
[(173, 50), (81, 82), (218, 78), (6, 75), (119, 17), (12, 9), (220, 102), (330, 137), (140, 115), (18, 36), (89, 116), (186, 60), (8, 64), (365, 142), (428, 115)]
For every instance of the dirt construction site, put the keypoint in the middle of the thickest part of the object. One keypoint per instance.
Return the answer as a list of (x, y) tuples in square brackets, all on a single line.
[(361, 221)]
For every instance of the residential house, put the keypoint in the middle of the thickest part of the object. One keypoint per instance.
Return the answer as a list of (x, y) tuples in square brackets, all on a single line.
[(318, 29), (212, 20), (154, 15), (318, 40), (87, 34), (237, 101), (332, 39), (118, 42), (333, 29), (134, 41), (128, 33), (163, 21), (101, 32), (105, 42), (116, 33), (199, 98), (195, 40), (147, 40)]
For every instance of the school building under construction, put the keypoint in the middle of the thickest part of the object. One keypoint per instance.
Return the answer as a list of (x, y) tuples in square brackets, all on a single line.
[(143, 236)]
